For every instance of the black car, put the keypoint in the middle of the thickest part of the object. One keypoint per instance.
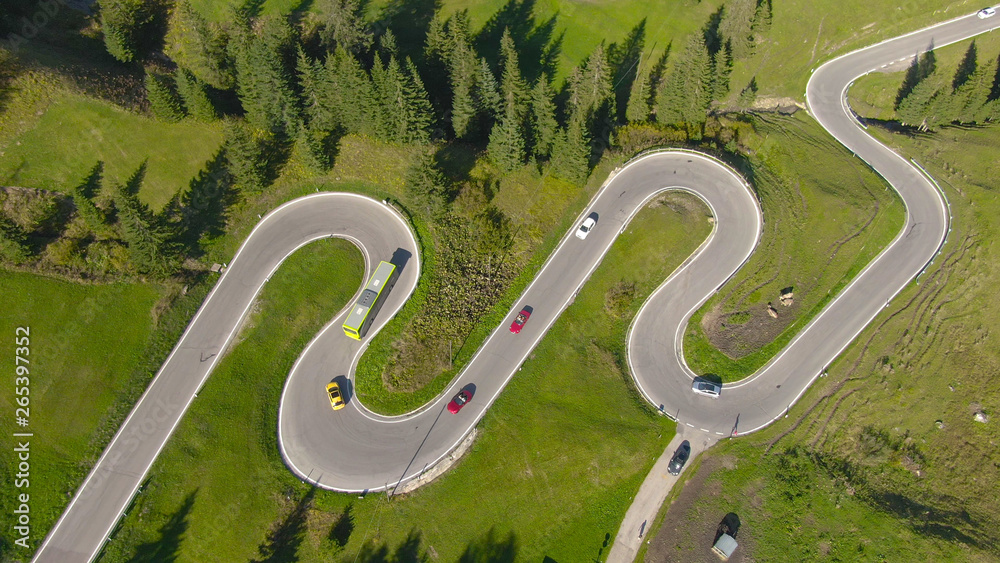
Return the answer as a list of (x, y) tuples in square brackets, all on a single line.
[(680, 458)]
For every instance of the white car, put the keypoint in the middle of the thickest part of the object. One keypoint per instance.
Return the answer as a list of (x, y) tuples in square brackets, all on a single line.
[(586, 227), (986, 13), (706, 387)]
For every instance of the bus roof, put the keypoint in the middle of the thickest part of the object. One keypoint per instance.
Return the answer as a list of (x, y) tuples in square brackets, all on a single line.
[(368, 296)]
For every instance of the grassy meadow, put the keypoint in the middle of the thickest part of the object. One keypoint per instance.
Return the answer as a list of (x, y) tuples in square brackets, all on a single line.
[(85, 343), (76, 132)]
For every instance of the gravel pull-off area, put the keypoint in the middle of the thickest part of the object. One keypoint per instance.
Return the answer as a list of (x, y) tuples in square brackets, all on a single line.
[(689, 529), (654, 489)]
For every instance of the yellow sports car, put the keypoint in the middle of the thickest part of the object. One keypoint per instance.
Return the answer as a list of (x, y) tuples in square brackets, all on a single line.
[(336, 399)]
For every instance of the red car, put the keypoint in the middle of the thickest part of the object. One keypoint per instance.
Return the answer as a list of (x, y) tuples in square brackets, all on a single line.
[(459, 401), (519, 320)]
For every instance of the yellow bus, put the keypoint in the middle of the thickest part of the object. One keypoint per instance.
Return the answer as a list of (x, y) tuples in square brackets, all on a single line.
[(367, 306)]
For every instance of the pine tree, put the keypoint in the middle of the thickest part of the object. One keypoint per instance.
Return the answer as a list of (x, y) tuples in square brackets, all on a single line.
[(506, 146), (512, 86), (344, 26), (748, 95), (590, 87), (543, 117), (163, 100), (913, 110), (194, 93), (722, 67), (419, 112), (125, 24), (995, 91), (387, 44), (316, 106), (571, 153), (264, 75), (198, 46), (403, 112), (426, 184), (436, 43), (762, 19), (487, 93), (686, 93), (462, 72), (736, 26), (310, 152), (246, 152), (939, 111), (83, 194), (972, 95), (637, 110), (923, 65), (387, 92), (348, 91), (147, 239), (13, 242)]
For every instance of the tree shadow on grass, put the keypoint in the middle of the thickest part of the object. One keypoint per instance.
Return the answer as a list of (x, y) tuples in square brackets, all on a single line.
[(537, 52), (624, 59), (491, 549), (201, 210), (409, 21), (406, 552), (342, 529), (966, 67), (134, 182), (167, 547), (282, 544)]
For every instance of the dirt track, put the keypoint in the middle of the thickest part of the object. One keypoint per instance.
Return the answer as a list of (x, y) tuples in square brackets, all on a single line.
[(688, 531)]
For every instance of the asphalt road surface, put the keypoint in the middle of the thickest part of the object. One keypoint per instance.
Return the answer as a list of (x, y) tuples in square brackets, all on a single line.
[(355, 450)]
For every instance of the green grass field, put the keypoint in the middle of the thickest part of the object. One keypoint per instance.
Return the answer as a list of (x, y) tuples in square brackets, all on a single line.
[(825, 218), (85, 341), (75, 132), (550, 474)]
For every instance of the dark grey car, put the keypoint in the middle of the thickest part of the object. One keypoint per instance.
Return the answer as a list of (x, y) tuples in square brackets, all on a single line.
[(680, 458)]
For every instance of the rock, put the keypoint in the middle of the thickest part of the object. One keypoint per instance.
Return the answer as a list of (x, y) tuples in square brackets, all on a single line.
[(787, 297), (772, 311), (939, 424), (981, 417)]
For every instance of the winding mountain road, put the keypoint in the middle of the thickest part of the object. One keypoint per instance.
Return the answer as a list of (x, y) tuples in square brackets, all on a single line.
[(356, 450)]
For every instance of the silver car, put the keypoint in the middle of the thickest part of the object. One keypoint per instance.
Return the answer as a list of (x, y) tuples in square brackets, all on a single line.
[(706, 387)]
